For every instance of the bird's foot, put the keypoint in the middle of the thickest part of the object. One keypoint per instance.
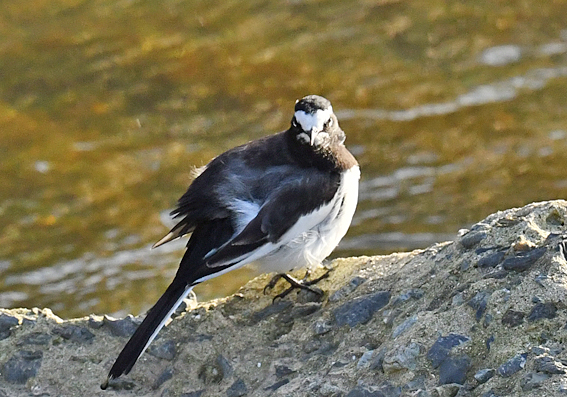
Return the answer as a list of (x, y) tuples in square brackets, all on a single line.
[(304, 283)]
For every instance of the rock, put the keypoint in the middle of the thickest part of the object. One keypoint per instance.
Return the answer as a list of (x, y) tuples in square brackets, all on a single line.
[(479, 302), (277, 385), (362, 391), (237, 389), (283, 370), (378, 329), (214, 371), (402, 357), (414, 293), (484, 375), (96, 322), (35, 338), (532, 381), (23, 365), (6, 323), (365, 359), (347, 289), (299, 311), (273, 308), (166, 375), (74, 333), (123, 327), (407, 324), (440, 350), (542, 310), (513, 365), (165, 350), (513, 318), (471, 239), (549, 365), (196, 393), (449, 390), (524, 260), (360, 310), (454, 370), (491, 260), (322, 326)]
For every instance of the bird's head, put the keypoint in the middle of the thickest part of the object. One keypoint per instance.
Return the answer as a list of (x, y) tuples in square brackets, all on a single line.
[(315, 124)]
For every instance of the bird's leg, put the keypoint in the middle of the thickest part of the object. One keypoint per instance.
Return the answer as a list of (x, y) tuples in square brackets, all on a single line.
[(294, 283)]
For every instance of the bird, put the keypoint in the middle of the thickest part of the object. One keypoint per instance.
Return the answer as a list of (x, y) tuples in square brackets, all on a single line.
[(283, 201)]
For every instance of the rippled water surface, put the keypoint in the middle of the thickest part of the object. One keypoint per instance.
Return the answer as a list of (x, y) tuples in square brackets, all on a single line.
[(454, 110)]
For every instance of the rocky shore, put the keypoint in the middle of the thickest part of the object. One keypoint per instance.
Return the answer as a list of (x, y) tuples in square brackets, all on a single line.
[(483, 315)]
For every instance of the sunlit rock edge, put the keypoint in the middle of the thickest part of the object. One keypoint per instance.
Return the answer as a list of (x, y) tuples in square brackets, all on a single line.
[(482, 315)]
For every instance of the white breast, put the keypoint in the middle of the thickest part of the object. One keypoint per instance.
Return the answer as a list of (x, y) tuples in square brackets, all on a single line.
[(309, 248)]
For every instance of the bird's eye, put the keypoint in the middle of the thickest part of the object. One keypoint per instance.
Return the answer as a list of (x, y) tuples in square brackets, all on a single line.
[(294, 123), (328, 123)]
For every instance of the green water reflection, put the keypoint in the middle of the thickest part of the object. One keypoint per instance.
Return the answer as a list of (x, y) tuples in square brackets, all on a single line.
[(105, 107)]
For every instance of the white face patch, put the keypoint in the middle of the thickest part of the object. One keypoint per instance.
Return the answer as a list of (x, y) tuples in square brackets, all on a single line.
[(315, 121)]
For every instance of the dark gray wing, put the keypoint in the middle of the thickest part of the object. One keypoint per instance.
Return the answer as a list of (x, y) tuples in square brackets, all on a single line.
[(294, 201)]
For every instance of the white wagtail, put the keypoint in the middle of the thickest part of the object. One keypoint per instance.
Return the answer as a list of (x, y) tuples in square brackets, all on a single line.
[(283, 201)]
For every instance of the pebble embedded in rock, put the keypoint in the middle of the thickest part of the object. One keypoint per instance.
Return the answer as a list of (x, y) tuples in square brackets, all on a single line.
[(488, 342), (490, 260), (479, 302), (282, 370), (484, 375), (532, 381), (440, 350), (513, 365), (364, 360), (403, 327), (322, 326), (347, 289), (487, 320), (96, 322), (454, 370), (196, 393), (237, 389), (277, 385), (542, 310), (401, 357), (360, 310), (123, 327), (549, 365), (524, 260), (361, 391), (270, 310), (513, 318), (299, 310), (471, 239), (74, 333), (165, 350), (35, 338), (7, 322), (414, 293), (22, 366), (166, 375)]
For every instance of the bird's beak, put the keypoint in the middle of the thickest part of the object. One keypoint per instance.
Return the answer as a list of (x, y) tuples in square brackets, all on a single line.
[(312, 135)]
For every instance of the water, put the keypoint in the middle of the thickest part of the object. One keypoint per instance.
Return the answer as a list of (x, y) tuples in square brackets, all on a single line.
[(454, 110)]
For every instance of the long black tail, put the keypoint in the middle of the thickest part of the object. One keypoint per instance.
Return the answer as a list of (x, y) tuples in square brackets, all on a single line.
[(147, 331)]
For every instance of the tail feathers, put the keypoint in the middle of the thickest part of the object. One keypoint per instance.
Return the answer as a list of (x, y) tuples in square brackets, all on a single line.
[(148, 330)]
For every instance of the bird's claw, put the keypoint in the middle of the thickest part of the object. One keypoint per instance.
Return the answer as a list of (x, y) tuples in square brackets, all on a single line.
[(295, 284)]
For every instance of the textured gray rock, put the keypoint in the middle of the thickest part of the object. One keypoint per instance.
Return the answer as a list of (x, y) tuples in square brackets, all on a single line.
[(23, 365), (454, 370), (513, 365), (360, 310), (442, 347), (396, 325)]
